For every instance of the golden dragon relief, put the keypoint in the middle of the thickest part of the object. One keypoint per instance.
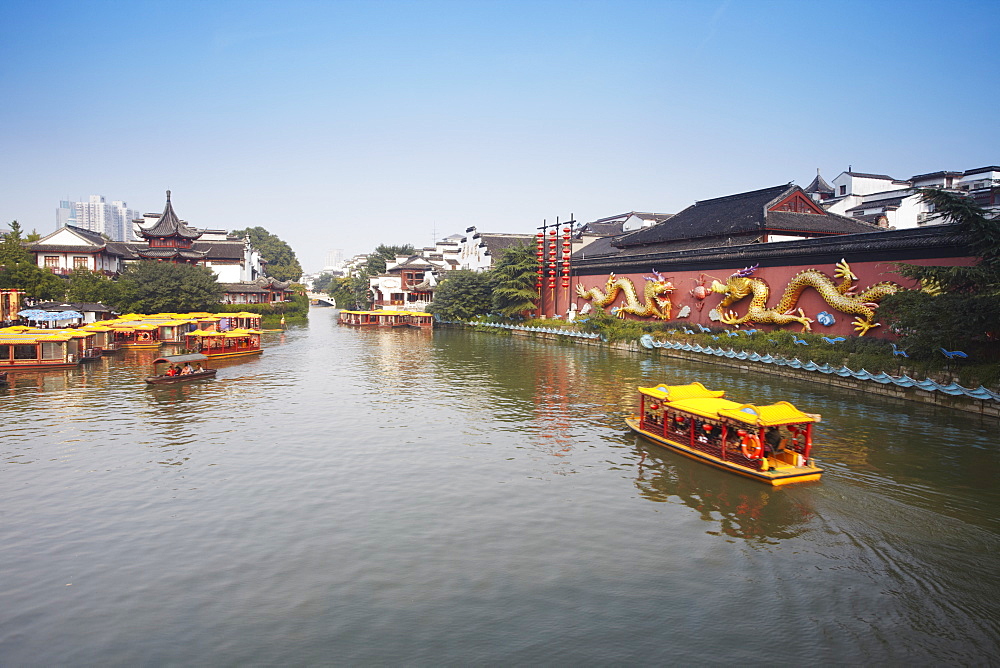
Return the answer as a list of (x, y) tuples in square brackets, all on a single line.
[(656, 294), (840, 296)]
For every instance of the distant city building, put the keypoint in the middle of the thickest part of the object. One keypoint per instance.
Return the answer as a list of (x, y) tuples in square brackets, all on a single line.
[(334, 259), (96, 215)]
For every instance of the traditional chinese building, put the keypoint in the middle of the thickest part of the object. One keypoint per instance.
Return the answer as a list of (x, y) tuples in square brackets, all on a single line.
[(170, 240), (166, 238), (767, 258)]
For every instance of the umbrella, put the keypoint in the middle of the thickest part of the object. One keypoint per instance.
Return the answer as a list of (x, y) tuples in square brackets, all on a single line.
[(61, 315), (39, 314)]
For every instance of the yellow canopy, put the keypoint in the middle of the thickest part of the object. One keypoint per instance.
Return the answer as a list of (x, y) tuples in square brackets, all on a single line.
[(693, 390), (769, 416)]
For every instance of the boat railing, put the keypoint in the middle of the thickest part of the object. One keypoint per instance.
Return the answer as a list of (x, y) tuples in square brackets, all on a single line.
[(710, 444)]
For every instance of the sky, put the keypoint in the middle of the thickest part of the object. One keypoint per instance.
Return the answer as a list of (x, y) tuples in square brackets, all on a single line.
[(345, 125)]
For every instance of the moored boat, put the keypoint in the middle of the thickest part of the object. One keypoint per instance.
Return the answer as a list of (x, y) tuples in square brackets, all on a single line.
[(384, 318), (26, 348), (165, 378), (771, 443), (233, 343)]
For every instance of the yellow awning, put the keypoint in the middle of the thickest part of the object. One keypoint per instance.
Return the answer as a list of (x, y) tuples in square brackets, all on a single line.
[(769, 416), (706, 407), (693, 390)]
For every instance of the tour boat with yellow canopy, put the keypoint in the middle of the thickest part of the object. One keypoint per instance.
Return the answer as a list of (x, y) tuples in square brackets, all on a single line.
[(233, 343), (771, 443), (26, 348), (416, 319)]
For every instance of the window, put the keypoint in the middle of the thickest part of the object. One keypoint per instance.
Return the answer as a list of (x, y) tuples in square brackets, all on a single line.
[(4, 352), (80, 263), (843, 190), (51, 261), (23, 351)]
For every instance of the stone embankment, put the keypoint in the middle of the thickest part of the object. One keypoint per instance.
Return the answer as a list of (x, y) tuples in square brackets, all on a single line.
[(987, 407)]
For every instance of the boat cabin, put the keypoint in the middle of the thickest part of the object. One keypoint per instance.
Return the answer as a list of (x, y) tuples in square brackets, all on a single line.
[(25, 348), (233, 343)]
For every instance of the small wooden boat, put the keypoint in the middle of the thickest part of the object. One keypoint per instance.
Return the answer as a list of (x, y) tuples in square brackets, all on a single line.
[(772, 443), (163, 379)]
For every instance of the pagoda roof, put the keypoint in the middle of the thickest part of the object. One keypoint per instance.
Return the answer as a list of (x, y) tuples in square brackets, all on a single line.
[(819, 185), (171, 253), (169, 225)]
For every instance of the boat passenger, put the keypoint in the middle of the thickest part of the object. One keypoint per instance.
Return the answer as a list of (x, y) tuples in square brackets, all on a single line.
[(187, 370), (171, 370), (773, 442), (199, 368)]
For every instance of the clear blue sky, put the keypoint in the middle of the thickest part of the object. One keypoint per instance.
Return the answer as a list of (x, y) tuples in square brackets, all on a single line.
[(349, 124)]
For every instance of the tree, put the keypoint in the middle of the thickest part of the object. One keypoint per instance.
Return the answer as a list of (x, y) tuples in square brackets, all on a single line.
[(463, 295), (18, 270), (514, 276), (87, 286), (378, 260), (158, 287), (959, 307), (340, 290), (323, 282), (281, 261)]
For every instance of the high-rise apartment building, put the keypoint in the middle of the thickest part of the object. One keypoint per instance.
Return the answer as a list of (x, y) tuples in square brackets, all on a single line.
[(112, 220), (334, 259)]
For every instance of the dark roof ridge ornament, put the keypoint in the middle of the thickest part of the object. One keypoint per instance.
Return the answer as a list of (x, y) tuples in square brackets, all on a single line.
[(168, 195)]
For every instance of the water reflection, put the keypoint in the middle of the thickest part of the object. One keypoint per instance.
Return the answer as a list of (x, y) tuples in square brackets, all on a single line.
[(479, 498), (738, 508)]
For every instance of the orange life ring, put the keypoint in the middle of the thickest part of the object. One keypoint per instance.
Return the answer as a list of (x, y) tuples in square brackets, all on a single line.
[(751, 447)]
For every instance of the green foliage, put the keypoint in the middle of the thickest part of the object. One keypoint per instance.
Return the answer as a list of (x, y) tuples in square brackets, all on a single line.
[(155, 287), (514, 276), (378, 260), (281, 261), (323, 283), (462, 295), (296, 310), (18, 270), (12, 250), (965, 314), (87, 286), (341, 291)]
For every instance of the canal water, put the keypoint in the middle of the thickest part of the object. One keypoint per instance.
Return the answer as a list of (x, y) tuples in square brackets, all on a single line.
[(398, 497)]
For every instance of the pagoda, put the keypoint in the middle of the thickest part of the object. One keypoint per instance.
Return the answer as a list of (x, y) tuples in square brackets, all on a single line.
[(170, 240)]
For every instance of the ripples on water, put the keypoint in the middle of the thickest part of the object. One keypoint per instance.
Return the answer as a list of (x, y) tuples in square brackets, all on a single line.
[(365, 497)]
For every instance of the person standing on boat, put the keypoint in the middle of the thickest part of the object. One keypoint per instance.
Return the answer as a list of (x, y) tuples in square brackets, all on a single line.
[(772, 441)]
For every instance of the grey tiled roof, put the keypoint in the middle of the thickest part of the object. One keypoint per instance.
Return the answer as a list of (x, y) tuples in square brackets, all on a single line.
[(170, 225), (497, 242), (743, 216), (933, 241), (819, 185), (165, 253)]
